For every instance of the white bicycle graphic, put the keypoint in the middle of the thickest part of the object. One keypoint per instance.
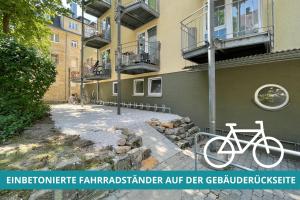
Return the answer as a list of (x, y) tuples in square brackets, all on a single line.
[(231, 153)]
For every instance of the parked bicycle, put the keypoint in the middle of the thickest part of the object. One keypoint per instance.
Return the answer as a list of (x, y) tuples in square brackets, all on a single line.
[(262, 142)]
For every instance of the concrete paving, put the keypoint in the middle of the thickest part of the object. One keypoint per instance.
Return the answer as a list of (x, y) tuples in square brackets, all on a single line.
[(95, 122)]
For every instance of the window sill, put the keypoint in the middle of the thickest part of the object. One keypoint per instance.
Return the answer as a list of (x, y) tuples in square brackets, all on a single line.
[(138, 95), (155, 95)]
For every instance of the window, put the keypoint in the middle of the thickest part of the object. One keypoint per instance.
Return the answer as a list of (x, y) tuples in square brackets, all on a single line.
[(73, 26), (115, 88), (155, 87), (54, 37), (138, 87), (55, 58), (271, 97), (74, 44)]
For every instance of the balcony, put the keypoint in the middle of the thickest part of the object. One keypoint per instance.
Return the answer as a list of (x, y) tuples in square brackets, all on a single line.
[(242, 28), (140, 57), (139, 12), (97, 40), (97, 7), (92, 71)]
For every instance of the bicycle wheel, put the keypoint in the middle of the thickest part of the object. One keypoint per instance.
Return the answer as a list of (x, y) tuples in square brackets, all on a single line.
[(231, 153), (269, 140)]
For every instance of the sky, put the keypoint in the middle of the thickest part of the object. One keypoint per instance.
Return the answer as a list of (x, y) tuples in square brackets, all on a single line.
[(92, 18)]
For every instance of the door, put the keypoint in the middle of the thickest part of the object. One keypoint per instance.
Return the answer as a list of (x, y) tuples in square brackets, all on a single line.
[(152, 44)]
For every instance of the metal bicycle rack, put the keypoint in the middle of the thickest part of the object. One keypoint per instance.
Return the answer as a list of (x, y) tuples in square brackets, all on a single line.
[(196, 152), (140, 106)]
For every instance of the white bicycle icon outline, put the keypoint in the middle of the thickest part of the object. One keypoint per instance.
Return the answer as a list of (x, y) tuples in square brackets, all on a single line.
[(233, 152)]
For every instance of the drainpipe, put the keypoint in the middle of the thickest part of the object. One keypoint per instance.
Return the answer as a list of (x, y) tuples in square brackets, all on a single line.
[(211, 69), (118, 19), (82, 53)]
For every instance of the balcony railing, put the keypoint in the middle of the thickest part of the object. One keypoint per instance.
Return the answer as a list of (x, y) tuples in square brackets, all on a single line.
[(140, 57), (93, 70), (236, 20), (95, 39), (97, 7), (136, 13)]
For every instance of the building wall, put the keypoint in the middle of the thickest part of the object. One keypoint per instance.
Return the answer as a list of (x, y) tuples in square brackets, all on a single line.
[(69, 60), (187, 95)]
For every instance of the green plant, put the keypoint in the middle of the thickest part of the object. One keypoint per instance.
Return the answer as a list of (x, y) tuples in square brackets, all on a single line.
[(25, 76)]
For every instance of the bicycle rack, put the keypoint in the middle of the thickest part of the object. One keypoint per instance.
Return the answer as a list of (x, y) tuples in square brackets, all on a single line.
[(140, 106), (196, 153)]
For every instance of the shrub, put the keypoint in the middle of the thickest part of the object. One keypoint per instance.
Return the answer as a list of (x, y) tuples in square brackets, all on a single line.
[(25, 76)]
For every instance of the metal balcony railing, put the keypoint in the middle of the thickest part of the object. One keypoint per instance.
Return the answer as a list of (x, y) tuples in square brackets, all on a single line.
[(141, 52), (92, 71), (239, 19), (104, 33), (152, 4)]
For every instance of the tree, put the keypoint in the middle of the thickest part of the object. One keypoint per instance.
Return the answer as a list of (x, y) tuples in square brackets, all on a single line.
[(25, 77), (28, 20)]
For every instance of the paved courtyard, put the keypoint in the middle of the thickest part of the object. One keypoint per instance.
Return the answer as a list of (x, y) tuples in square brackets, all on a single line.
[(94, 123)]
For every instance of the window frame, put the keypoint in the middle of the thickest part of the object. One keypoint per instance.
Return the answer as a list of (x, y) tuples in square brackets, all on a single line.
[(114, 84), (150, 94), (269, 108), (134, 87), (56, 58), (55, 36), (74, 42)]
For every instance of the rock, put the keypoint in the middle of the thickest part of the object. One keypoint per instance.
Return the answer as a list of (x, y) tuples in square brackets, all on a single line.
[(122, 163), (194, 130), (188, 126), (191, 140), (146, 152), (173, 137), (102, 167), (71, 163), (136, 157), (167, 125), (135, 142), (83, 143), (125, 131), (176, 123), (121, 142), (154, 122), (170, 131), (160, 129), (179, 131), (186, 120), (182, 144), (42, 195), (70, 139), (122, 149)]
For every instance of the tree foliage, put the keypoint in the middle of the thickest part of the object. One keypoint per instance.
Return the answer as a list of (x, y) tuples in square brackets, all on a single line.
[(28, 20), (25, 77)]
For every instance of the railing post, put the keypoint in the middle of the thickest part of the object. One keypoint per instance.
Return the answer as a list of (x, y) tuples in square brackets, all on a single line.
[(211, 69), (119, 58), (82, 53)]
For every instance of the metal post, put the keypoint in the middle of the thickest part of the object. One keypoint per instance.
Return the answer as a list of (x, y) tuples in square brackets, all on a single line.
[(82, 54), (119, 58), (211, 68), (97, 91)]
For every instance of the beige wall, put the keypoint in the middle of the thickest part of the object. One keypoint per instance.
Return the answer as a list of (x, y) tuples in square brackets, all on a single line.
[(168, 33), (69, 60), (287, 24), (287, 27)]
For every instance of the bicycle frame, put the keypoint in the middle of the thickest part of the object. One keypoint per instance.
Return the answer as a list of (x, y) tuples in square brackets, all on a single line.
[(251, 142)]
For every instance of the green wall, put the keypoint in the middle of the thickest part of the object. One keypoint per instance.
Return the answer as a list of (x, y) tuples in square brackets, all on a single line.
[(187, 95)]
